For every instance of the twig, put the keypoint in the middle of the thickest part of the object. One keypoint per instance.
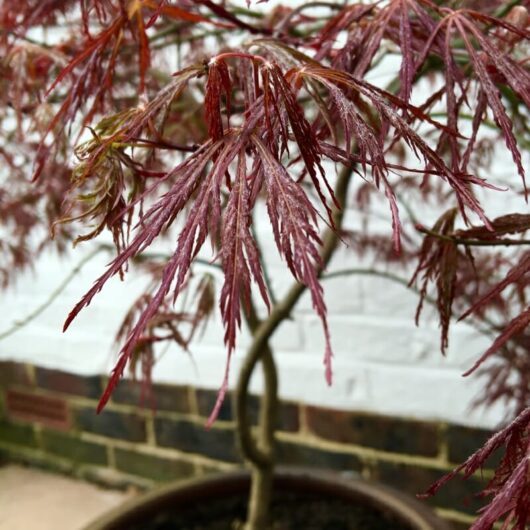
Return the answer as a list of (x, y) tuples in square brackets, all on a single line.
[(53, 295), (505, 8), (285, 21), (503, 242)]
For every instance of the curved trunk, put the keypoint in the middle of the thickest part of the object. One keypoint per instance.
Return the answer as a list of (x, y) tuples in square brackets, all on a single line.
[(258, 452)]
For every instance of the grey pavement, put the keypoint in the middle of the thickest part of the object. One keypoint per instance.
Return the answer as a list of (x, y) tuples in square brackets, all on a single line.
[(31, 499)]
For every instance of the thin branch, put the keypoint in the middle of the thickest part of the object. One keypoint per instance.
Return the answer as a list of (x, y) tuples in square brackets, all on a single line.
[(259, 454), (160, 144), (285, 21), (19, 324), (502, 242), (505, 8), (405, 283)]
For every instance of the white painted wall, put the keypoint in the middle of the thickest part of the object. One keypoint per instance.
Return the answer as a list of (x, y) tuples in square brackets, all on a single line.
[(382, 363)]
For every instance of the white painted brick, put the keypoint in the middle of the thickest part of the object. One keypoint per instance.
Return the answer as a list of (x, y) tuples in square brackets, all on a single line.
[(424, 394), (398, 341), (382, 362)]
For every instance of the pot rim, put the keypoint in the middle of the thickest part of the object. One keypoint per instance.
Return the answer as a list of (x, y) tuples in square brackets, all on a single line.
[(379, 496)]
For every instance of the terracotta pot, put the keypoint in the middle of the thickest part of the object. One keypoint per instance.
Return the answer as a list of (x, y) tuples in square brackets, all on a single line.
[(385, 500)]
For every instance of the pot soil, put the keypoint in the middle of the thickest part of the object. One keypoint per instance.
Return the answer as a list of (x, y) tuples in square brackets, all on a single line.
[(303, 500)]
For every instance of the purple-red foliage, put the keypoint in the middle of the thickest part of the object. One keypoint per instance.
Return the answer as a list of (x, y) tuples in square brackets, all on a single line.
[(167, 324), (266, 120), (511, 483)]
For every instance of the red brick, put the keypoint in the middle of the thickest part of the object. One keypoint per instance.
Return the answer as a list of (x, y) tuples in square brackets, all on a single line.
[(378, 432), (68, 383), (190, 437), (45, 410), (458, 494), (171, 398), (12, 373), (111, 423), (288, 413)]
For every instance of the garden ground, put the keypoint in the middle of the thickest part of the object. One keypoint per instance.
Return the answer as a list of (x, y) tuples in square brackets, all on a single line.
[(31, 498)]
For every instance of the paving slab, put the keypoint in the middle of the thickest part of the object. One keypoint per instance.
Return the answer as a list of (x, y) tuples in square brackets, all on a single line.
[(31, 499)]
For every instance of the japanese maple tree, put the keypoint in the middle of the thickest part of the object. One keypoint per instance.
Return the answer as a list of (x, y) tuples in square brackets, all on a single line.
[(281, 110)]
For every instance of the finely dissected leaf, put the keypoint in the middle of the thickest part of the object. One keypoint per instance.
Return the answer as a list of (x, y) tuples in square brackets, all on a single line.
[(240, 260), (510, 499), (94, 78), (514, 223), (91, 72), (218, 82), (515, 78), (406, 72), (166, 324), (482, 55), (304, 135), (452, 76), (157, 219), (513, 275), (144, 53), (515, 75), (16, 15), (509, 486), (371, 43), (293, 219), (346, 18), (516, 326), (459, 183), (107, 180), (368, 143), (482, 104), (439, 263), (239, 254)]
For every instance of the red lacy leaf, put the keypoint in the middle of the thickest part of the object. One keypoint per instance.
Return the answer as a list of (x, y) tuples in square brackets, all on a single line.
[(406, 72), (518, 78), (511, 482), (369, 145), (303, 133), (516, 326), (218, 82), (293, 219), (239, 254), (517, 272), (156, 220), (439, 263)]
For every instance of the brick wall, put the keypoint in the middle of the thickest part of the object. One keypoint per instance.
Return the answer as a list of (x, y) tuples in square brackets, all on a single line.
[(383, 363), (128, 444)]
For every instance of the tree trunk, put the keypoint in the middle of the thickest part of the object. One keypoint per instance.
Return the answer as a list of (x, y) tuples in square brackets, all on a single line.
[(258, 452)]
